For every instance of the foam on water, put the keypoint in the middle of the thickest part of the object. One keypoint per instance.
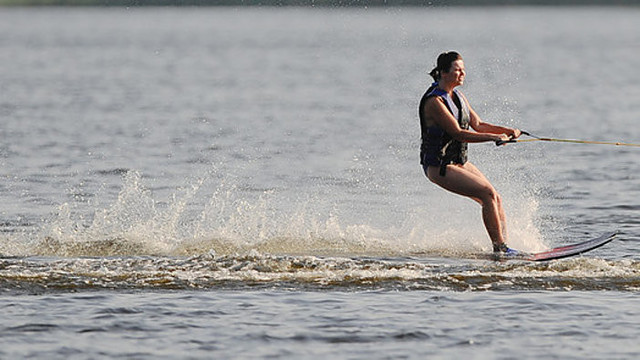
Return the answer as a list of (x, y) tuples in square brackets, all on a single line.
[(203, 217), (300, 272)]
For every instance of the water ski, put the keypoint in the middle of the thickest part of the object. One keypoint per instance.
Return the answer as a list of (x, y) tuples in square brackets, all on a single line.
[(562, 251)]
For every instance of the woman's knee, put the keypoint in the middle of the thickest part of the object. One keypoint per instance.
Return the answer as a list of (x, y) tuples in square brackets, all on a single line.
[(489, 196)]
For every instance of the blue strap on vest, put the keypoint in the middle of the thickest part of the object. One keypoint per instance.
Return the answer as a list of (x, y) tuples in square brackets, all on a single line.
[(451, 105), (437, 146)]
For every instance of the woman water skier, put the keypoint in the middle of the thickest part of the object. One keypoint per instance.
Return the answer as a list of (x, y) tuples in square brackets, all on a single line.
[(445, 118)]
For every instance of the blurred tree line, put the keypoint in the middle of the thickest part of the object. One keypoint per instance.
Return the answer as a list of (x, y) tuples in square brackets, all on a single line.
[(312, 3)]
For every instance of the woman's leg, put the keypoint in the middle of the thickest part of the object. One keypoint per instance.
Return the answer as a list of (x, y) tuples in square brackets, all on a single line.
[(501, 212), (467, 180)]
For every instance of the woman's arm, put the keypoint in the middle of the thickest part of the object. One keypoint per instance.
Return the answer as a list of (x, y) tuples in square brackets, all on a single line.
[(436, 110)]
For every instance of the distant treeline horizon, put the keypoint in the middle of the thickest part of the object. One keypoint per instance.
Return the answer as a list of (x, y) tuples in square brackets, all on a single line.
[(319, 3)]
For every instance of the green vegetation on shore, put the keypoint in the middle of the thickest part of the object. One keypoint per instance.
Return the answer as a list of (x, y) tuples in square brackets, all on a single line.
[(317, 3)]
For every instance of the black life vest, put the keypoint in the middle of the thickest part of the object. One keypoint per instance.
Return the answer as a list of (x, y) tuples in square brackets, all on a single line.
[(439, 148)]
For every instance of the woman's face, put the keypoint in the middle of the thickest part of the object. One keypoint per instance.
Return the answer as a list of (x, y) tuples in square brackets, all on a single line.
[(456, 74)]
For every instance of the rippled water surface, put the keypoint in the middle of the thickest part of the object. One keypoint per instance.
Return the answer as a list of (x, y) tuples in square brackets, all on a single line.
[(321, 324), (244, 183)]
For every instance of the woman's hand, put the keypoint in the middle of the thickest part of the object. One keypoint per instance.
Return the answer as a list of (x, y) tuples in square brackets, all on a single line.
[(501, 139), (508, 136), (514, 133)]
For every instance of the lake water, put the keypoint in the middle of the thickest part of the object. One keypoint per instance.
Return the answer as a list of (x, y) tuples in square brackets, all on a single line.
[(245, 183)]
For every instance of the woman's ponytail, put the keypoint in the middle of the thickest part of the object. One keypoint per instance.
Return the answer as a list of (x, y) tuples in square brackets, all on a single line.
[(443, 64)]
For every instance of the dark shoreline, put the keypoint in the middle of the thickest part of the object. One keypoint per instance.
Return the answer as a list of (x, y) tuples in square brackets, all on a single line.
[(319, 3)]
